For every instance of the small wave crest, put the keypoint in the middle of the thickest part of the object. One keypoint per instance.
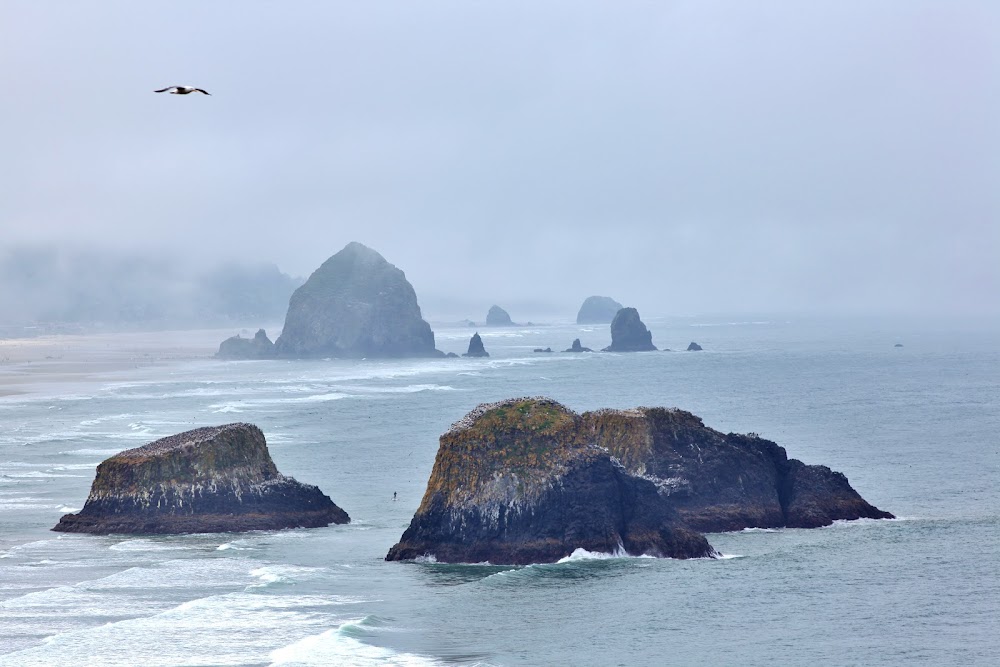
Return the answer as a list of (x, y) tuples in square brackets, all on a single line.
[(337, 647)]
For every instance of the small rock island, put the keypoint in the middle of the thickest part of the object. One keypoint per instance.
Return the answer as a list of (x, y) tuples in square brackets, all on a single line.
[(476, 348), (237, 347), (212, 479), (527, 480)]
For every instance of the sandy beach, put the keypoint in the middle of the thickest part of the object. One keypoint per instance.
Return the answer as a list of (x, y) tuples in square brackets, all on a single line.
[(36, 364)]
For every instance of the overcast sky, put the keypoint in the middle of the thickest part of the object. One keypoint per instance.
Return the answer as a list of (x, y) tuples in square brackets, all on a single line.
[(681, 157)]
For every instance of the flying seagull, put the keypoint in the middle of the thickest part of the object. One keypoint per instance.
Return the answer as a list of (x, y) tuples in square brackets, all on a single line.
[(182, 90)]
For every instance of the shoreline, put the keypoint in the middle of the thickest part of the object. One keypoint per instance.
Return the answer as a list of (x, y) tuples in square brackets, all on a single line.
[(31, 365)]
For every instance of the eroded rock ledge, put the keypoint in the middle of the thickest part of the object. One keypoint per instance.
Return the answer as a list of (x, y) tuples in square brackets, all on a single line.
[(212, 479), (527, 480), (513, 483)]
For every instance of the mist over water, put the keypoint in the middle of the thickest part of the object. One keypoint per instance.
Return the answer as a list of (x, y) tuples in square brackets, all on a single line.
[(683, 158)]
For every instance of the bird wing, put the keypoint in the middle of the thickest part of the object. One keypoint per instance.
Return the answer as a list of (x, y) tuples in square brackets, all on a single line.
[(203, 91), (163, 90)]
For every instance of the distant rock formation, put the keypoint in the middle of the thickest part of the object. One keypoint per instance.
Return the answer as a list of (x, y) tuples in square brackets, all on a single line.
[(451, 355), (724, 482), (629, 334), (514, 483), (237, 347), (694, 347), (213, 479), (355, 305), (576, 347), (539, 349), (598, 310), (476, 348), (898, 345), (498, 317)]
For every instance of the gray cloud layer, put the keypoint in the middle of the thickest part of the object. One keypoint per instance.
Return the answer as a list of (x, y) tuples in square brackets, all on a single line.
[(680, 156)]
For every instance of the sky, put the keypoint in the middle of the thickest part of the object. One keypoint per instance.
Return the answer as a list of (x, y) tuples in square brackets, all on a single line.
[(834, 157)]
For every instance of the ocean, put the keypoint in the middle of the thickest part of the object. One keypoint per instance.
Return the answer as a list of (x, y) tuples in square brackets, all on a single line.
[(916, 429)]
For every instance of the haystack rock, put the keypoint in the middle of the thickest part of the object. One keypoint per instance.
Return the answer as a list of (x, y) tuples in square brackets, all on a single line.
[(577, 347), (694, 347), (237, 347), (720, 482), (598, 310), (476, 348), (213, 479), (515, 483), (498, 317), (355, 305), (629, 334)]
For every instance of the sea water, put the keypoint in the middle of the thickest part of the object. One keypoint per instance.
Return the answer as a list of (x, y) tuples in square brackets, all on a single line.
[(915, 429)]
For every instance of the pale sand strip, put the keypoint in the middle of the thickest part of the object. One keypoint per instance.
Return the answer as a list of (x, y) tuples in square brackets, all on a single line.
[(32, 364)]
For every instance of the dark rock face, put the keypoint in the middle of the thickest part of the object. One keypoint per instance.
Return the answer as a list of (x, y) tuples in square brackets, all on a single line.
[(213, 479), (355, 305), (476, 348), (598, 310), (515, 483), (237, 347), (724, 482), (498, 317), (577, 347), (694, 347), (629, 334)]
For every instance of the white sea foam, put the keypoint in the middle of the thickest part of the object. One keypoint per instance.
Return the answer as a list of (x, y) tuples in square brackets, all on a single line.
[(284, 574), (90, 452), (226, 407), (67, 509), (39, 474), (228, 629), (333, 647), (722, 556), (759, 530)]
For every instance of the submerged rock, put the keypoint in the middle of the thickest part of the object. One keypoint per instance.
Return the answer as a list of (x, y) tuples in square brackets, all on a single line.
[(577, 347), (476, 348), (721, 482), (498, 317), (355, 305), (237, 347), (629, 334), (694, 347), (546, 349), (598, 310), (213, 479), (515, 483)]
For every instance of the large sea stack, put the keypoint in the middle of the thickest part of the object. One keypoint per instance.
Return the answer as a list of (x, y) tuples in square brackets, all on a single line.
[(721, 482), (355, 305), (527, 480), (213, 479), (598, 310), (629, 334), (515, 483), (498, 317)]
